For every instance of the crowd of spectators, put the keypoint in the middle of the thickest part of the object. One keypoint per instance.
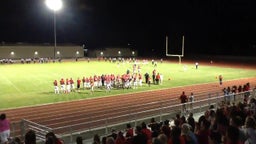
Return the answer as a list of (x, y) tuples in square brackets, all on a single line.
[(228, 123), (29, 60)]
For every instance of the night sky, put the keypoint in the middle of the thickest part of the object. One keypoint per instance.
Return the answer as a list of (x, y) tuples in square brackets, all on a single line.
[(221, 27)]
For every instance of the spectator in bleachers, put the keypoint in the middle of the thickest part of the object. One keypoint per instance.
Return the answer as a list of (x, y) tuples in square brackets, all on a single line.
[(30, 137), (183, 120), (79, 140), (51, 138), (191, 121), (4, 128), (188, 136), (146, 131), (232, 136), (250, 130), (163, 139), (113, 134), (156, 141), (176, 136), (203, 132), (252, 106), (154, 126), (96, 139), (139, 138), (104, 140), (221, 121), (215, 136), (17, 140), (165, 129), (211, 117), (129, 131), (110, 140), (120, 139), (237, 122)]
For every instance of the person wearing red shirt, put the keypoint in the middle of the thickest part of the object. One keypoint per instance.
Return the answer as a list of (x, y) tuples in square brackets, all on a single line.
[(68, 86), (183, 99), (147, 132), (56, 88), (72, 84), (83, 82), (78, 82), (129, 131), (62, 85), (157, 78)]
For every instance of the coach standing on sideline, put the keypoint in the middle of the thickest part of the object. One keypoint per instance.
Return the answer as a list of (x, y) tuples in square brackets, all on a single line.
[(183, 99)]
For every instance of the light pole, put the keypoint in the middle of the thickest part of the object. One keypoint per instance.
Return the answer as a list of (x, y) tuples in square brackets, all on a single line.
[(54, 5)]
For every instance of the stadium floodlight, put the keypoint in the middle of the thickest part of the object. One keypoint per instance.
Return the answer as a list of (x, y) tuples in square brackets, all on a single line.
[(101, 53), (12, 53), (36, 53), (54, 5), (77, 52)]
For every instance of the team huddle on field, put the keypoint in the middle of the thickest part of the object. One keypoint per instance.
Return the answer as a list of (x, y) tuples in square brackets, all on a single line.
[(107, 81)]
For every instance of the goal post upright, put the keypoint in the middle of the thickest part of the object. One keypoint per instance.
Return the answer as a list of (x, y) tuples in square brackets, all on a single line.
[(175, 55)]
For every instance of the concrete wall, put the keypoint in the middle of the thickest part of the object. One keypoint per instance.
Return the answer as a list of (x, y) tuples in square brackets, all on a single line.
[(22, 51)]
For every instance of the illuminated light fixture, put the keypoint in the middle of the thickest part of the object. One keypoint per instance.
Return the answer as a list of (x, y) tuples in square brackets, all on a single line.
[(36, 53), (12, 53), (54, 5)]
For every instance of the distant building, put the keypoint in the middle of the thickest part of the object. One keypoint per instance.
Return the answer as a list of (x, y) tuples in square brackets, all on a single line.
[(21, 50)]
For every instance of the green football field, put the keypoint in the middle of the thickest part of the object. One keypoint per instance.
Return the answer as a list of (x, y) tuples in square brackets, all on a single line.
[(32, 84)]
